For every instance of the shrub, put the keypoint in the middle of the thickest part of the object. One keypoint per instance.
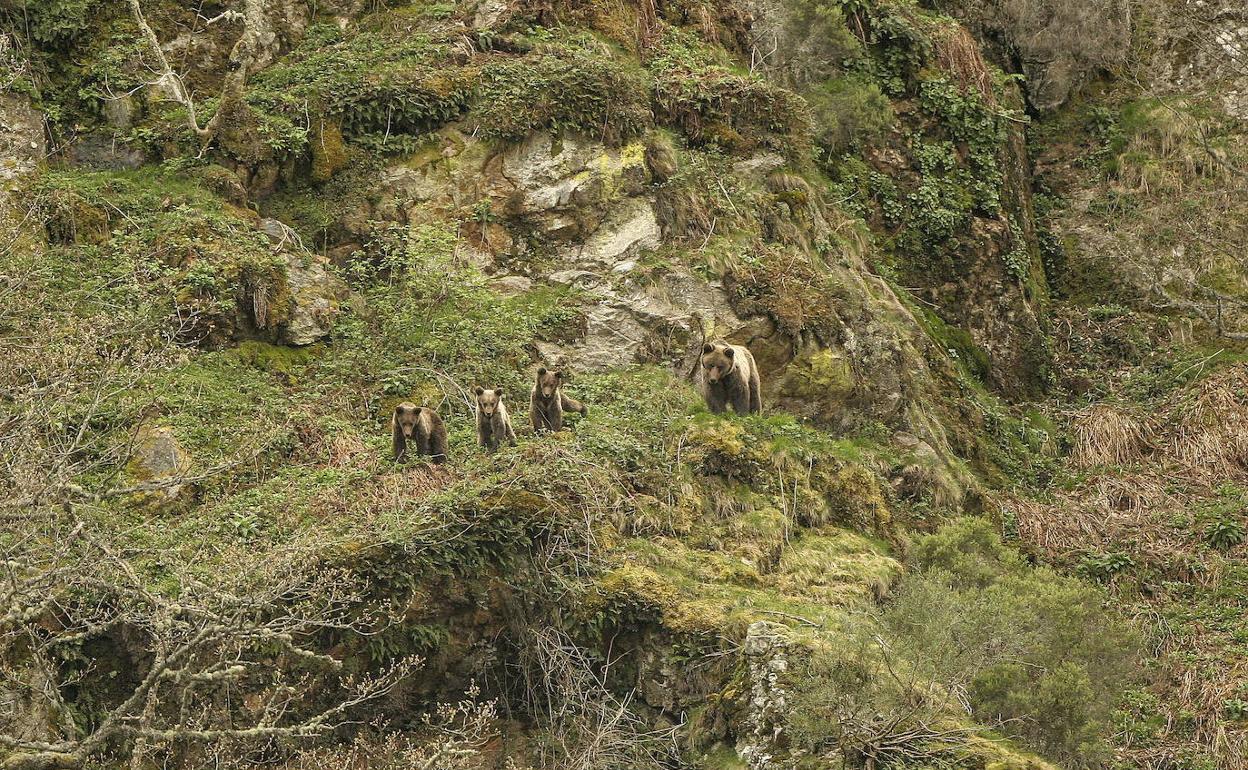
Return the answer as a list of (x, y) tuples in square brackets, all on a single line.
[(848, 111), (571, 84), (787, 286), (393, 77), (55, 23), (703, 97), (1036, 650)]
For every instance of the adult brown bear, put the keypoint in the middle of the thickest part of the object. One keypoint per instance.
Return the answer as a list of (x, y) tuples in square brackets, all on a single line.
[(730, 377)]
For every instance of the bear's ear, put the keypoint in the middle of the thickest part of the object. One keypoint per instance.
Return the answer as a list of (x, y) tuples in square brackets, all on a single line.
[(707, 348), (558, 375), (417, 410), (541, 372), (728, 351), (479, 390), (498, 392)]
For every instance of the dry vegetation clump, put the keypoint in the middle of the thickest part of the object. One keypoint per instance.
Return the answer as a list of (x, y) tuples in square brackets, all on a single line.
[(1108, 510), (1199, 440), (1210, 437), (408, 486), (959, 54), (1109, 435)]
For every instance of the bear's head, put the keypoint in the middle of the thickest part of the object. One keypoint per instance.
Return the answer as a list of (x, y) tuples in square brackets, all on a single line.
[(406, 415), (718, 361), (548, 383), (488, 401)]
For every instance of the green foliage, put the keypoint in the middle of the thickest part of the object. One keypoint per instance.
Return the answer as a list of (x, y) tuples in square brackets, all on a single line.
[(1018, 258), (695, 91), (167, 240), (957, 343), (56, 23), (940, 207), (569, 83), (899, 47), (1224, 518), (977, 128), (392, 74), (1224, 533), (424, 308), (847, 112), (1105, 566), (1035, 649)]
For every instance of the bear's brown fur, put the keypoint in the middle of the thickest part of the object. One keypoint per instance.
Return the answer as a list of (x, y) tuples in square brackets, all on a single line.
[(419, 425), (493, 423), (547, 403), (730, 377)]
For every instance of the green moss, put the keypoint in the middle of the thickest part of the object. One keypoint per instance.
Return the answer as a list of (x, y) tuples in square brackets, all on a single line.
[(566, 83), (392, 73), (274, 359), (329, 154), (957, 343), (696, 91), (821, 377)]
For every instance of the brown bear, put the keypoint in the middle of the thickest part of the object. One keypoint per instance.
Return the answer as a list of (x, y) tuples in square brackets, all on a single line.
[(493, 424), (547, 402), (730, 376), (419, 425)]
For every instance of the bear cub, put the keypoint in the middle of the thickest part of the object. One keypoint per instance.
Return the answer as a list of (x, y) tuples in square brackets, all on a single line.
[(419, 426), (730, 377), (493, 424), (547, 402)]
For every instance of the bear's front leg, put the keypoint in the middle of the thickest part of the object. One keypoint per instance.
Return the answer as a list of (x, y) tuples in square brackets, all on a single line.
[(741, 399)]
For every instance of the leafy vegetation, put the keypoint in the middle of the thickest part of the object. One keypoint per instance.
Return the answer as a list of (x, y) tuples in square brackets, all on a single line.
[(563, 84), (656, 585)]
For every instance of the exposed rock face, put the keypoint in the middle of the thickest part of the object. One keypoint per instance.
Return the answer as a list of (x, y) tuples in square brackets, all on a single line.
[(159, 459), (591, 207), (1203, 51), (30, 705), (759, 744), (21, 137), (1003, 313), (315, 297), (22, 149), (315, 292)]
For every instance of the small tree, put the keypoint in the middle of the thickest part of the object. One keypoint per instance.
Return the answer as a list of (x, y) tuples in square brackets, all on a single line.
[(232, 661)]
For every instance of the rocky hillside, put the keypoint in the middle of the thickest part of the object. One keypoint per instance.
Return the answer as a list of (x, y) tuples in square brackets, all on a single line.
[(988, 256)]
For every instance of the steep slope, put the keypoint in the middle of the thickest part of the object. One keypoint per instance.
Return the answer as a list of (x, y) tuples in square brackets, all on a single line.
[(221, 278)]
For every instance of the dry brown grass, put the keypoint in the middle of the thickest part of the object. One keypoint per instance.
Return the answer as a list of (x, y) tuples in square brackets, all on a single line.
[(958, 54), (1109, 435), (1179, 457), (1210, 434)]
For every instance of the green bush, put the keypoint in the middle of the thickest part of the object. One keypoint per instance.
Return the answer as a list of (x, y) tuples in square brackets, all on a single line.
[(847, 112), (394, 74), (568, 84), (697, 92), (55, 23), (977, 128), (1036, 650)]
